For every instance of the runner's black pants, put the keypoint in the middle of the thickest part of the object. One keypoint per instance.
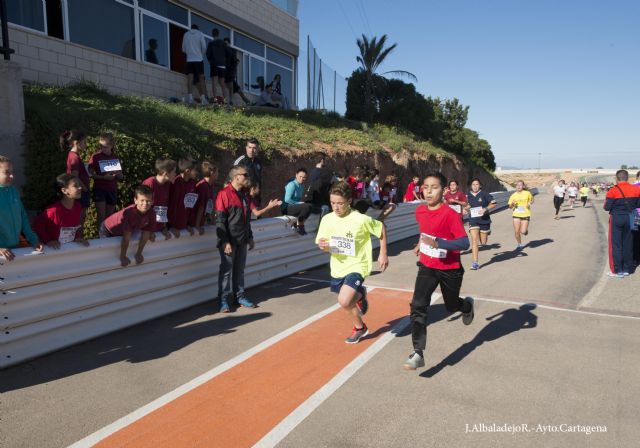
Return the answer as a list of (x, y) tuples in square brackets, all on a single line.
[(557, 202), (427, 281)]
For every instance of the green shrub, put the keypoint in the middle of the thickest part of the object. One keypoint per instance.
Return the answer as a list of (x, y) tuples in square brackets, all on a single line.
[(146, 129)]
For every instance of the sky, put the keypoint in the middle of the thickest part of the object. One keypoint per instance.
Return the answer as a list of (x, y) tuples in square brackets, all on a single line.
[(555, 83)]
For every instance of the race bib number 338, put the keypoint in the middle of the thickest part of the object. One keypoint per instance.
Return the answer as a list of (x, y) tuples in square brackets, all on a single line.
[(343, 246)]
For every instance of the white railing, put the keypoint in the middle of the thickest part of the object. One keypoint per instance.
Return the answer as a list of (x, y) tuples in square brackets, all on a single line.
[(66, 296)]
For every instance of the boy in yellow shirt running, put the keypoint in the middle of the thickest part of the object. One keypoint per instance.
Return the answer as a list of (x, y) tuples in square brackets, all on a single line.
[(520, 202), (346, 234)]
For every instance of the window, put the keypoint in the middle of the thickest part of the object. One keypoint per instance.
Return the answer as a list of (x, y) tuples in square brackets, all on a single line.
[(246, 43), (28, 13), (286, 80), (206, 26), (257, 79), (166, 9), (279, 58), (154, 41), (92, 23)]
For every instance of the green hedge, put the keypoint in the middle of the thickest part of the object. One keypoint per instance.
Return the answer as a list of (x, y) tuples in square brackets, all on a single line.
[(146, 129)]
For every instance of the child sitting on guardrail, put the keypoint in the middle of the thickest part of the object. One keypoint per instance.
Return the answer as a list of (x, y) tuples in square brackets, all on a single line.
[(13, 217), (59, 223), (139, 216)]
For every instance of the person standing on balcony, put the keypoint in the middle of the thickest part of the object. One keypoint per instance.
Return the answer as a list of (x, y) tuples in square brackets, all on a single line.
[(194, 47)]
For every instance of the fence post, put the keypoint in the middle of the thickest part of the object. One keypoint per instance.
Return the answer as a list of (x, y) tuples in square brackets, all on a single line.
[(4, 49)]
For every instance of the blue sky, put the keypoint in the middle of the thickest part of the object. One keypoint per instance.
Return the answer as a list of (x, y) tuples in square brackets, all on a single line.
[(561, 78)]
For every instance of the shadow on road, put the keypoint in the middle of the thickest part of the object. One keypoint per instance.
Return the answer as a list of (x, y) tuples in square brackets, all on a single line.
[(507, 322), (144, 342), (567, 216), (537, 243)]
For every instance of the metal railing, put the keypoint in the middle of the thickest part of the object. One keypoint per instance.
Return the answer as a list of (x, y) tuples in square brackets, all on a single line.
[(67, 296), (5, 49)]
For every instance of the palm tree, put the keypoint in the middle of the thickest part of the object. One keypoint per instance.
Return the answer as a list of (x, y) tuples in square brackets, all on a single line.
[(372, 54)]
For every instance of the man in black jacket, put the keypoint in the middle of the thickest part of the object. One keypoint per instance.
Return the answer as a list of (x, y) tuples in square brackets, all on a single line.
[(233, 227), (252, 163)]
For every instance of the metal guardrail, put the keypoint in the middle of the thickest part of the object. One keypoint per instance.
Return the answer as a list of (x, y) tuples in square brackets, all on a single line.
[(67, 296)]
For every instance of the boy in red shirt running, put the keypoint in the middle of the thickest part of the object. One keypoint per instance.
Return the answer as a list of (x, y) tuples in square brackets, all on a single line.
[(455, 198), (442, 237)]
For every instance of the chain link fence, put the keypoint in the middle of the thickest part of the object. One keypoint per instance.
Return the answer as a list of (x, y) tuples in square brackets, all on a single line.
[(325, 88)]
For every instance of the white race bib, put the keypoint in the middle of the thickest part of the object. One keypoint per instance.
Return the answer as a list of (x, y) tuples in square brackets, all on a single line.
[(107, 166), (190, 200), (161, 213), (343, 246), (67, 234), (456, 207), (521, 209), (209, 208), (476, 212), (431, 251)]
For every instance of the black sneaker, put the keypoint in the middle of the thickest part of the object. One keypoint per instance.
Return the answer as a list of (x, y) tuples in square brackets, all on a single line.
[(363, 303), (467, 318)]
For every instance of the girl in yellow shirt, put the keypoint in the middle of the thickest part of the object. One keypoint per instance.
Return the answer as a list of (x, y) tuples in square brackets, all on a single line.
[(520, 202)]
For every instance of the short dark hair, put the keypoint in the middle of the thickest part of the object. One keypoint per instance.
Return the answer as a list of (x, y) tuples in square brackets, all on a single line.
[(622, 175), (186, 164), (638, 175), (165, 165), (63, 181), (142, 190), (301, 170), (438, 175), (341, 189), (194, 26), (227, 40), (215, 32), (253, 141), (207, 168), (475, 179)]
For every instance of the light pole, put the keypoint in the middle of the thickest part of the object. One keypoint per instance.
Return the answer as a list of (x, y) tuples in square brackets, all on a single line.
[(539, 157)]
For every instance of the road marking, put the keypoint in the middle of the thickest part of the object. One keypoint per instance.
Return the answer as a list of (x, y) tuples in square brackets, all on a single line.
[(287, 425), (163, 400), (268, 384)]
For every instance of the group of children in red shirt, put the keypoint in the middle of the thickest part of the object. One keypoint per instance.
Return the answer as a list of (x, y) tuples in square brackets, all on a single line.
[(168, 202)]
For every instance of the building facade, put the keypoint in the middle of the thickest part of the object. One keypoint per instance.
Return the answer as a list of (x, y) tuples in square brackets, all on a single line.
[(134, 47)]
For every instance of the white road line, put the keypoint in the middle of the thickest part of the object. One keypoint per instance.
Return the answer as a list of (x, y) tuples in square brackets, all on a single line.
[(305, 409), (170, 396), (554, 308)]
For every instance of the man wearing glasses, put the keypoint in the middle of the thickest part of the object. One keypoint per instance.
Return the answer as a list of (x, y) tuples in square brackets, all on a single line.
[(233, 226)]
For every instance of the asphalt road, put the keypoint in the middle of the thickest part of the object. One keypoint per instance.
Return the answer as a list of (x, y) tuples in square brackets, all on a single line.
[(553, 352)]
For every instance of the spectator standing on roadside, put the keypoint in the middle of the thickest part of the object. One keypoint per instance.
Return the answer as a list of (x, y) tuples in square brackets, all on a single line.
[(194, 47), (216, 54), (620, 201), (233, 227), (252, 163), (293, 204), (636, 234), (320, 179)]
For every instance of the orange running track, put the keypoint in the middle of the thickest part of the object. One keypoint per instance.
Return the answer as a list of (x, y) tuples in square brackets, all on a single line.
[(240, 406)]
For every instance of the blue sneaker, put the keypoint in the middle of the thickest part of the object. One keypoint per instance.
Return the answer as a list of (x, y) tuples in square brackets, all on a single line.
[(475, 266), (244, 302), (625, 274), (224, 307)]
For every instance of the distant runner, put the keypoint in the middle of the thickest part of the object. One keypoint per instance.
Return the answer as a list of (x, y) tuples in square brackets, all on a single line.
[(572, 191), (520, 202), (478, 205), (584, 194), (558, 196)]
